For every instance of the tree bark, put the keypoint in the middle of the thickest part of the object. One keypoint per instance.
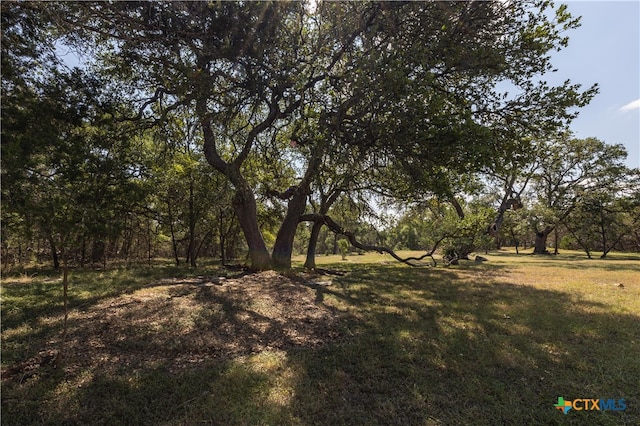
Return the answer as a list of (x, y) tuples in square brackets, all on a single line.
[(540, 246), (283, 247), (244, 201), (456, 206), (310, 262), (244, 204)]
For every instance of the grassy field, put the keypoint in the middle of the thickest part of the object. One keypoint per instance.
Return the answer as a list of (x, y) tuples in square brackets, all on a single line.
[(493, 342)]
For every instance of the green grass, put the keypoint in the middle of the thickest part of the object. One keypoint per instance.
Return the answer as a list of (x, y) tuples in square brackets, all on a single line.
[(479, 343)]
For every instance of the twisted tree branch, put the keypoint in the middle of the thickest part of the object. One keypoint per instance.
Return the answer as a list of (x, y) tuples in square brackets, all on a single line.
[(336, 228)]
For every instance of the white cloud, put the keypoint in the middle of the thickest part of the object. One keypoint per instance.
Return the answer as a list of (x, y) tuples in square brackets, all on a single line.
[(631, 106)]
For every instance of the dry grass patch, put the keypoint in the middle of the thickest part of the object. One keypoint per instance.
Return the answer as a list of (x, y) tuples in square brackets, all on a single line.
[(181, 322)]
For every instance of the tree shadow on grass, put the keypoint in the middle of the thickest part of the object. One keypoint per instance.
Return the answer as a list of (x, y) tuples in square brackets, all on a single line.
[(205, 348), (41, 295), (597, 264), (417, 347), (615, 262), (432, 349)]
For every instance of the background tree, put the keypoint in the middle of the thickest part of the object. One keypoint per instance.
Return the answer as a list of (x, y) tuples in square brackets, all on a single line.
[(571, 171), (604, 216), (516, 229)]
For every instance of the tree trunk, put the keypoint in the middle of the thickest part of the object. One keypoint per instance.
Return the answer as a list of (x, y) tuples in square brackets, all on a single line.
[(54, 253), (83, 252), (174, 243), (244, 201), (310, 262), (456, 206), (325, 205), (283, 247), (65, 294), (191, 250), (515, 240), (222, 241), (540, 246), (603, 233), (244, 204)]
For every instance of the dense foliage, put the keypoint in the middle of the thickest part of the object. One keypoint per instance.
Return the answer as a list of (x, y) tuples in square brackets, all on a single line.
[(195, 129)]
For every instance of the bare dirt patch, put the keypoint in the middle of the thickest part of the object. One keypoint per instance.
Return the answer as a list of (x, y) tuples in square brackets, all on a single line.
[(177, 323)]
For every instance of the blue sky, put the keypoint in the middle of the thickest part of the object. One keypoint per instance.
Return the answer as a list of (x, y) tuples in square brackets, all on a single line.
[(606, 50)]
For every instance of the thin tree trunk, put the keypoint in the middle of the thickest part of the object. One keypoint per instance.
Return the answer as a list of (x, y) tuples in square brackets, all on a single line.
[(204, 239), (174, 243), (83, 252), (65, 294), (325, 205), (516, 242), (582, 243), (191, 255), (5, 257), (54, 253), (38, 252), (149, 243), (223, 259), (603, 232)]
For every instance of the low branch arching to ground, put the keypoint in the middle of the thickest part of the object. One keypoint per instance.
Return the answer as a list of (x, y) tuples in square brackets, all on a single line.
[(336, 228)]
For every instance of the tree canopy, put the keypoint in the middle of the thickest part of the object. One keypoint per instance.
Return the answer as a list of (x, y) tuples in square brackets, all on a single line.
[(291, 104)]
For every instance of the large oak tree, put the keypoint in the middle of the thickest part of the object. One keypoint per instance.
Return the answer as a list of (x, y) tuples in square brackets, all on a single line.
[(413, 85)]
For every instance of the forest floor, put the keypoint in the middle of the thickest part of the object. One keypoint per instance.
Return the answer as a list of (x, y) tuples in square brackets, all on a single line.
[(495, 342)]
